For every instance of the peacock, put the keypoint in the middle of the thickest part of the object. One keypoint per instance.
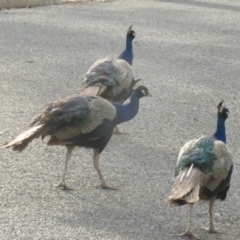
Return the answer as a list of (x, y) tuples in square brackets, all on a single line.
[(203, 171), (111, 79), (83, 121), (127, 54)]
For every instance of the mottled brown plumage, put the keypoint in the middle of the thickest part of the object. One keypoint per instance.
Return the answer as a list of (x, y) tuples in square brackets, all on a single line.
[(111, 79)]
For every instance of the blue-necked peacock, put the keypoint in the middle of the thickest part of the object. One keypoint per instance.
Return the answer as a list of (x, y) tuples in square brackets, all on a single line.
[(127, 54), (112, 78), (83, 121), (203, 171)]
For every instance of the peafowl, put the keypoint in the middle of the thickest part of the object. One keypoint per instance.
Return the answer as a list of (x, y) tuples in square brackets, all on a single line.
[(83, 121), (203, 171), (127, 54), (111, 79)]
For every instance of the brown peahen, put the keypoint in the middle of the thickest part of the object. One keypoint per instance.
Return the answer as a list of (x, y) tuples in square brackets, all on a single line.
[(203, 171), (83, 121)]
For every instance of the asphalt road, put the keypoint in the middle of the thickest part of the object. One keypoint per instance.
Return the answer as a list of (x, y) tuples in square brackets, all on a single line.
[(186, 52)]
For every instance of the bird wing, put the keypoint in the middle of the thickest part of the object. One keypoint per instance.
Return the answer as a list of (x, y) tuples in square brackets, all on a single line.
[(124, 78), (102, 72), (98, 110), (221, 166), (110, 78), (71, 110), (65, 119), (186, 147)]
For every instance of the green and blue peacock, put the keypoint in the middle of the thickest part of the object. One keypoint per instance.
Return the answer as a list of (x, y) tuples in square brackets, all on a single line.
[(203, 171)]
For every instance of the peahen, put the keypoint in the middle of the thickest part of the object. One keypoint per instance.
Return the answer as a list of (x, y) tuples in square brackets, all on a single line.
[(83, 121), (203, 171), (127, 54), (111, 79)]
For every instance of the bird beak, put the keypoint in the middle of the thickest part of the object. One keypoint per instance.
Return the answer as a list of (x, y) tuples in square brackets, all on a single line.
[(149, 94)]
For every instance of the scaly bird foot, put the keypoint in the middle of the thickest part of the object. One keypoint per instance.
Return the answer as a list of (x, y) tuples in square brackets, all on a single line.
[(117, 131), (105, 186), (63, 186), (189, 235)]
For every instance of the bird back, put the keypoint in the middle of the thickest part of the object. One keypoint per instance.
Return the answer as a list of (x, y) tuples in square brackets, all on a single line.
[(98, 110), (200, 154), (203, 166), (65, 119), (110, 78)]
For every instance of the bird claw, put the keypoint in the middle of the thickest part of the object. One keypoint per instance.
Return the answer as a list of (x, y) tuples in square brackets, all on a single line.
[(105, 186), (189, 235), (63, 186)]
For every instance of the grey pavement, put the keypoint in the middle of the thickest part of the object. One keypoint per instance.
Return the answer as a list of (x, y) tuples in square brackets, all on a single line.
[(188, 55)]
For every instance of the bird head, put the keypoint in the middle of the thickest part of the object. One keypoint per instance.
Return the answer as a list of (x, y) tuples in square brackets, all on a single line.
[(131, 33), (222, 111), (142, 91)]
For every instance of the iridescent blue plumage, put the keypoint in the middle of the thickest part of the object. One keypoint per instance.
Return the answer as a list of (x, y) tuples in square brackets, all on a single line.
[(128, 111), (220, 133), (127, 54)]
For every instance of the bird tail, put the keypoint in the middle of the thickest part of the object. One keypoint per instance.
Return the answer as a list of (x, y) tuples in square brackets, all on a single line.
[(186, 187), (96, 90), (22, 140)]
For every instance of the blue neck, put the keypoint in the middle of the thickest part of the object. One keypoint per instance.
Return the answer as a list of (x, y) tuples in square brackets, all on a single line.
[(128, 111), (129, 44), (127, 54), (220, 133)]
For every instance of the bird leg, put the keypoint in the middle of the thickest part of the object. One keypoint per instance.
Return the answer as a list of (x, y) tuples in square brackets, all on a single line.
[(103, 184), (211, 228), (118, 131), (62, 184), (188, 232)]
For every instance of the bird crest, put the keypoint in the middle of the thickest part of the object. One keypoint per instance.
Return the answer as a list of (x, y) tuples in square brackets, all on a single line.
[(220, 107), (222, 110), (131, 32)]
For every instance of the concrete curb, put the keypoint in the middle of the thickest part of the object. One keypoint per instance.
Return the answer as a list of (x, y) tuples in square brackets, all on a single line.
[(32, 3)]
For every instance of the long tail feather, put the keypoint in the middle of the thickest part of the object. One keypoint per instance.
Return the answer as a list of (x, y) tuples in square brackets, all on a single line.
[(186, 186), (22, 140)]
